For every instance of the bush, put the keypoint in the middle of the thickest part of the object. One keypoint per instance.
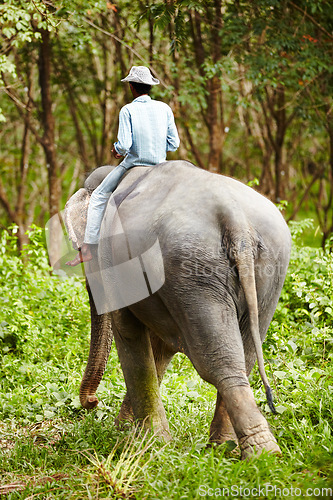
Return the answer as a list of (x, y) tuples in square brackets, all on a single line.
[(300, 338), (44, 323)]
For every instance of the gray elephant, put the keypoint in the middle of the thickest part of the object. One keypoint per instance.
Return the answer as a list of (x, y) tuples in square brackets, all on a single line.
[(224, 252)]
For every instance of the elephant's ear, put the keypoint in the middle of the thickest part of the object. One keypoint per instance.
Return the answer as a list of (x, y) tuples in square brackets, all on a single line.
[(97, 176), (76, 210)]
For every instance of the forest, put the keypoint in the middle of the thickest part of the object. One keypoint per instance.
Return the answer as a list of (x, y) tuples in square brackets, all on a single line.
[(250, 84)]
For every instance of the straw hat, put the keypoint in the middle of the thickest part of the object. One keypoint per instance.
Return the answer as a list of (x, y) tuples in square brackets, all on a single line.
[(141, 74)]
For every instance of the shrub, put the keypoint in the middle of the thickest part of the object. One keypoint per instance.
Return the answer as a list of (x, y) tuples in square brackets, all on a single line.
[(44, 322)]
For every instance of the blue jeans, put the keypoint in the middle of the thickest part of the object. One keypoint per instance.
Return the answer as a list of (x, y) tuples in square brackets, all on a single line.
[(98, 203)]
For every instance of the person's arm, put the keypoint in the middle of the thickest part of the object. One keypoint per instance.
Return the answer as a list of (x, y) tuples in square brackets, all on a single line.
[(172, 137), (124, 142)]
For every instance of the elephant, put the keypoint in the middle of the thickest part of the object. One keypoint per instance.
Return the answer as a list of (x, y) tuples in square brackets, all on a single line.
[(224, 252)]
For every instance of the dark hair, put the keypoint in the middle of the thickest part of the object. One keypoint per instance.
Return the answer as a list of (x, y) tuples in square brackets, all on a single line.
[(141, 88)]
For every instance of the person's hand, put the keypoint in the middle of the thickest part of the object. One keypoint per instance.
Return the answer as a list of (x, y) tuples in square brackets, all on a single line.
[(115, 154)]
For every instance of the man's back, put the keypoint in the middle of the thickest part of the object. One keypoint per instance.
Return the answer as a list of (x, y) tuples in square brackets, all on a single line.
[(146, 132)]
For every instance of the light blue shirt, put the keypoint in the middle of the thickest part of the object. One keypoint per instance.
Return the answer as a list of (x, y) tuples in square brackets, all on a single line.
[(146, 132)]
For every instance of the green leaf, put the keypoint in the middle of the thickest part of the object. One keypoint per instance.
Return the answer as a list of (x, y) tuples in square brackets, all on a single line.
[(280, 374), (281, 409)]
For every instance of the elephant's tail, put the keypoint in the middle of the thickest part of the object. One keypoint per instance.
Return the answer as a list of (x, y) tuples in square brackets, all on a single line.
[(245, 266)]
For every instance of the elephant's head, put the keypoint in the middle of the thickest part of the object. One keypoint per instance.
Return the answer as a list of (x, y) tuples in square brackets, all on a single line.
[(76, 208), (101, 333)]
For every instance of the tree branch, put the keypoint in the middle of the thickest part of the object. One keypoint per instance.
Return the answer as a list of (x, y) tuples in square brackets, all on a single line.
[(21, 107), (319, 26), (129, 48)]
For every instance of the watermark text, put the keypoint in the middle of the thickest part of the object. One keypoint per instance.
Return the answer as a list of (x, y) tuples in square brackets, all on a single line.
[(266, 490)]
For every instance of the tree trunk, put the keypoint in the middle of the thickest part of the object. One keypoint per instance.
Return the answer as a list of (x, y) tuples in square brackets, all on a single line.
[(276, 121), (214, 120), (280, 119), (107, 107), (328, 209), (48, 143), (19, 209), (211, 115), (215, 133)]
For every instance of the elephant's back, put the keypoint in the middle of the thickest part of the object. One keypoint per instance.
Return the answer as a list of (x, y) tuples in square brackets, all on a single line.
[(180, 200)]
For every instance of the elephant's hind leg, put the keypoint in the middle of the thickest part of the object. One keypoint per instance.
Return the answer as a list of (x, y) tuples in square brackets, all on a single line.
[(221, 429), (137, 361), (218, 355)]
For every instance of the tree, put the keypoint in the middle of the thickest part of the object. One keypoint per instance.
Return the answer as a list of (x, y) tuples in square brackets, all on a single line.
[(250, 84), (40, 25)]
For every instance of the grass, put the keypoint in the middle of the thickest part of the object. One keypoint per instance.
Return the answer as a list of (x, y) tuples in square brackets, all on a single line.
[(51, 448)]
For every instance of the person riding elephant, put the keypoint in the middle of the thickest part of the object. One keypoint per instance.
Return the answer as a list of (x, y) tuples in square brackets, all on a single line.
[(147, 131)]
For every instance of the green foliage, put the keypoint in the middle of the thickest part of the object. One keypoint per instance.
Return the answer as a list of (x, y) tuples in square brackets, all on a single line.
[(18, 21), (310, 293), (300, 339), (38, 316), (268, 59), (22, 22), (50, 446)]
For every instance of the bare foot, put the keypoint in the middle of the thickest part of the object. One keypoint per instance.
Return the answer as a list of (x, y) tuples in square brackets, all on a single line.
[(84, 255)]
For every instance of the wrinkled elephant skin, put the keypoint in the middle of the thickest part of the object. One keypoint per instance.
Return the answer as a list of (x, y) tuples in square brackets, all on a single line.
[(225, 252)]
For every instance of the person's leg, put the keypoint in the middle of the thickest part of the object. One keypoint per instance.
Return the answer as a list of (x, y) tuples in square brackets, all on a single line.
[(96, 210)]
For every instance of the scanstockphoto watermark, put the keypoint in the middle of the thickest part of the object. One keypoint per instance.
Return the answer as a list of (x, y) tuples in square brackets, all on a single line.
[(208, 262), (267, 490)]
